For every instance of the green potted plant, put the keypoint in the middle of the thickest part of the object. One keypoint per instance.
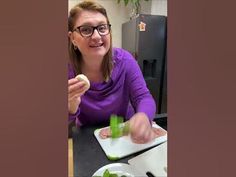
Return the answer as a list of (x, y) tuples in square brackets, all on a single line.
[(135, 5)]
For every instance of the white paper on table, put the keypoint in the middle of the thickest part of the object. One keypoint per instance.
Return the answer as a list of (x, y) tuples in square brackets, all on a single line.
[(153, 160)]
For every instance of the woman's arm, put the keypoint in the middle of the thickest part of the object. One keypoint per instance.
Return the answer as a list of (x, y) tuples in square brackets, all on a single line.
[(142, 101), (140, 96)]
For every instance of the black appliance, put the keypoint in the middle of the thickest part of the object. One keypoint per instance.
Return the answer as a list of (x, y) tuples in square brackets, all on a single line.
[(145, 37)]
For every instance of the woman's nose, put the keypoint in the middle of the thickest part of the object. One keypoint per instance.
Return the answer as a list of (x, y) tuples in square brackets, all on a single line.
[(95, 34)]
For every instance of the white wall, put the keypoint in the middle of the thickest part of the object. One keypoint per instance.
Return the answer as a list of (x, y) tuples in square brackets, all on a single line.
[(119, 14), (159, 7)]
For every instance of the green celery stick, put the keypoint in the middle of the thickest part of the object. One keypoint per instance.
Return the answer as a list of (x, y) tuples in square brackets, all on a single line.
[(118, 126), (115, 122)]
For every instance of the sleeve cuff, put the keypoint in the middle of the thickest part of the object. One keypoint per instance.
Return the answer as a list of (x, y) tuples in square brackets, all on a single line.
[(72, 117)]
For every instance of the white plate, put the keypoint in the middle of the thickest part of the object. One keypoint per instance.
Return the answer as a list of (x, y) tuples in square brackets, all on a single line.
[(119, 169)]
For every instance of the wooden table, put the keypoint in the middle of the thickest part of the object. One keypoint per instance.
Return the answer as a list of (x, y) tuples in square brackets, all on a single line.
[(70, 158)]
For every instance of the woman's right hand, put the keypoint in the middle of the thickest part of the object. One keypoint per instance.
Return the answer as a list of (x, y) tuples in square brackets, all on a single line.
[(76, 88), (141, 129)]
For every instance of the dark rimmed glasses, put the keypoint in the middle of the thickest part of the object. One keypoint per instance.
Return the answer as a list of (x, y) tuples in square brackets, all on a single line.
[(87, 31)]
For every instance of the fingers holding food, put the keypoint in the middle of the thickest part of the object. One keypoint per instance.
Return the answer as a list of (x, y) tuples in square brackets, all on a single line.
[(78, 85), (75, 87), (83, 78)]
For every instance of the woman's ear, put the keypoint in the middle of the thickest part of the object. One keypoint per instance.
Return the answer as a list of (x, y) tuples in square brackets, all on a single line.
[(71, 36)]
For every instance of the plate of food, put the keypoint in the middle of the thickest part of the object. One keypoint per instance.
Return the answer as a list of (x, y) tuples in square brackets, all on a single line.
[(118, 170)]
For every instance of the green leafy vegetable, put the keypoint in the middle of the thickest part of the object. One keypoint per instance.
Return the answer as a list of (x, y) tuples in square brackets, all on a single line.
[(113, 158), (106, 173), (113, 175)]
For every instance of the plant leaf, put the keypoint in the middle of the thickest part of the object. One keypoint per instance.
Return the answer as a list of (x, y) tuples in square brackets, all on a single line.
[(126, 2)]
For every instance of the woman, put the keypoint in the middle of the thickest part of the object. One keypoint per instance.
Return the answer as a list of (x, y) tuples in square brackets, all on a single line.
[(117, 85)]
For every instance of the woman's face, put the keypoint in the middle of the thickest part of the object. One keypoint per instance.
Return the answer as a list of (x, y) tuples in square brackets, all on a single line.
[(95, 46)]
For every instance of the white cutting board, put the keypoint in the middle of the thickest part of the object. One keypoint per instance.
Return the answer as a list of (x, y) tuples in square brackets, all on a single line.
[(154, 161), (123, 146)]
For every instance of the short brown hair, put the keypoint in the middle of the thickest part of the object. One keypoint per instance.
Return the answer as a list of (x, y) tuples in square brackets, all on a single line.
[(75, 55)]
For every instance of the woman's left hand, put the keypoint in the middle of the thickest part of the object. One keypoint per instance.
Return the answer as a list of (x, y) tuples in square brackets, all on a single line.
[(141, 129)]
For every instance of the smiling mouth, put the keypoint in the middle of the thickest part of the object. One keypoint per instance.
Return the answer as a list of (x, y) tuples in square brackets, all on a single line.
[(96, 45)]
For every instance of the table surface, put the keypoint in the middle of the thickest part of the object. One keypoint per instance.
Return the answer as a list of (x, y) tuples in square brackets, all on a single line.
[(70, 158), (88, 154)]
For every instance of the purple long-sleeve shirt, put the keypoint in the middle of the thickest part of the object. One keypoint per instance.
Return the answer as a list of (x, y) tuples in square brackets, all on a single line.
[(124, 94)]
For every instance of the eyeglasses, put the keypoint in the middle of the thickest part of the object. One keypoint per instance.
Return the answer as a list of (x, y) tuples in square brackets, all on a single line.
[(87, 31)]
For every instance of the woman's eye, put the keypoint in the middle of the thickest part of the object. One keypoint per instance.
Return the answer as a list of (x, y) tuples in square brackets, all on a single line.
[(102, 28), (86, 30)]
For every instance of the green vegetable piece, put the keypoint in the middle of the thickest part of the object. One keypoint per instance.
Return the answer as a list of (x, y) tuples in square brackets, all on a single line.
[(113, 175), (113, 158), (115, 126), (106, 173), (123, 176), (126, 128)]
